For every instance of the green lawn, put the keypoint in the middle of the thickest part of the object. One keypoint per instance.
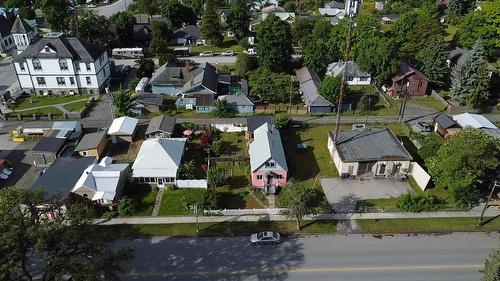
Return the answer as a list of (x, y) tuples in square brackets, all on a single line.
[(144, 198), (432, 225), (77, 106), (233, 144), (44, 111), (428, 102), (36, 101), (218, 229), (174, 201), (228, 44)]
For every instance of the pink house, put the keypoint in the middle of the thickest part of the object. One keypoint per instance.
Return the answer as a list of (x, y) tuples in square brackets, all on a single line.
[(267, 159)]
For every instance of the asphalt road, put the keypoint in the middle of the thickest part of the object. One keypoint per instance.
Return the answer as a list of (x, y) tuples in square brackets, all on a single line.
[(454, 257), (116, 7)]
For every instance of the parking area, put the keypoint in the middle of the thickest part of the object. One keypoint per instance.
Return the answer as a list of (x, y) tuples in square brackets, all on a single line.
[(15, 152), (342, 195)]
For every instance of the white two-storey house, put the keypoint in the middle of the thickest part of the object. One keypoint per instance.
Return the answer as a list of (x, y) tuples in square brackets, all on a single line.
[(57, 64)]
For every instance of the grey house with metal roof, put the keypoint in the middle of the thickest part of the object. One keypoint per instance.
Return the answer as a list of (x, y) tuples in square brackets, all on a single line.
[(308, 85), (57, 64), (375, 152)]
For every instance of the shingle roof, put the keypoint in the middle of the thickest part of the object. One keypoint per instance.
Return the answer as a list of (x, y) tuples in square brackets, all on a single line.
[(49, 144), (204, 98), (20, 27), (62, 175), (266, 146), (406, 69), (161, 123), (90, 141), (187, 32), (445, 121), (237, 100), (244, 87), (309, 83), (369, 145), (335, 5), (5, 26), (150, 99), (169, 74), (65, 47), (351, 70), (205, 76), (254, 122)]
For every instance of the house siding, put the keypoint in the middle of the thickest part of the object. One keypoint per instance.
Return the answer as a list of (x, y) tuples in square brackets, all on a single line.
[(418, 86), (244, 109), (96, 151), (320, 109), (259, 183), (169, 90)]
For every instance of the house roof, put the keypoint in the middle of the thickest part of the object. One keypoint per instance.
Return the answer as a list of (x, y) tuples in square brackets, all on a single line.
[(139, 27), (405, 69), (244, 87), (169, 74), (161, 123), (90, 141), (237, 100), (351, 70), (309, 83), (305, 74), (187, 32), (254, 122), (445, 121), (390, 17), (476, 121), (149, 99), (369, 145), (266, 146), (64, 47), (5, 26), (103, 178), (273, 9), (20, 26), (67, 126), (62, 175), (331, 12), (123, 126), (49, 144), (204, 98), (159, 157), (284, 16), (492, 132), (205, 76), (335, 5)]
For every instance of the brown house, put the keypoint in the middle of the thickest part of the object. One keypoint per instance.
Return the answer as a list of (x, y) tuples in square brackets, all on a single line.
[(92, 144), (408, 79), (445, 126)]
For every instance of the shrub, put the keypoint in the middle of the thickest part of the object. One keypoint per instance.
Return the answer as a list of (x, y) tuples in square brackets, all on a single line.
[(126, 206), (215, 178), (216, 148), (283, 120), (210, 200), (417, 202)]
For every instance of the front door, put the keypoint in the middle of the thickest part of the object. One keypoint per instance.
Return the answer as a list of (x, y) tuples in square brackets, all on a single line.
[(350, 171)]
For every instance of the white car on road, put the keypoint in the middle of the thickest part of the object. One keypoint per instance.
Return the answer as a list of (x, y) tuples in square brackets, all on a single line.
[(207, 54), (228, 53), (265, 237), (250, 51)]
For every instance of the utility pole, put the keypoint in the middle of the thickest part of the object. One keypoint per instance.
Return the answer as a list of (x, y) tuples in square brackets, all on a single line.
[(494, 186), (351, 15), (402, 107), (196, 215)]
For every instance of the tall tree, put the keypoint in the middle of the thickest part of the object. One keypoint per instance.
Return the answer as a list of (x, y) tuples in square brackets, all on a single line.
[(177, 14), (481, 25), (329, 88), (159, 42), (470, 79), (491, 271), (210, 24), (462, 164), (238, 20), (124, 22), (68, 245), (268, 86), (432, 62), (91, 27), (245, 64), (315, 55), (195, 5), (459, 7), (149, 7), (377, 56), (302, 29), (56, 14), (274, 44)]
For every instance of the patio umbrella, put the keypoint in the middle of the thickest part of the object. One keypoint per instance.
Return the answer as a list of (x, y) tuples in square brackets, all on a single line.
[(187, 133)]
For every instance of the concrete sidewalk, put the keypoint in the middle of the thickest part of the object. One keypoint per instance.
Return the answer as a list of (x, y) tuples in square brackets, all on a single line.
[(254, 218)]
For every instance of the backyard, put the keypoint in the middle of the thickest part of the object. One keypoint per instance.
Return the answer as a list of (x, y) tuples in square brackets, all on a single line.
[(144, 198), (228, 44)]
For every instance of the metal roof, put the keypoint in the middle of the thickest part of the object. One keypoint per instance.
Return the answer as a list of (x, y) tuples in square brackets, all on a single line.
[(90, 141), (161, 123), (159, 157), (123, 126), (378, 144), (49, 144), (445, 121), (237, 100), (476, 121), (351, 69), (266, 146), (309, 83)]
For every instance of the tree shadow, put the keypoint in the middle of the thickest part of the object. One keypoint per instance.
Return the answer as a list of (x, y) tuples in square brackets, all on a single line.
[(20, 168)]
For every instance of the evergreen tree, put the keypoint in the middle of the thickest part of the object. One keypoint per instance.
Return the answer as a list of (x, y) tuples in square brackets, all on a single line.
[(459, 7), (470, 79), (210, 24), (239, 18), (314, 54), (274, 44), (124, 22), (432, 62)]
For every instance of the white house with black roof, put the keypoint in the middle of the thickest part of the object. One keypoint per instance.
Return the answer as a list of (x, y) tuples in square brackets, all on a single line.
[(353, 74), (57, 64)]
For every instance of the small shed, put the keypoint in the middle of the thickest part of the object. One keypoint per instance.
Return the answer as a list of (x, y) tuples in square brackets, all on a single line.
[(161, 127), (123, 129), (92, 144)]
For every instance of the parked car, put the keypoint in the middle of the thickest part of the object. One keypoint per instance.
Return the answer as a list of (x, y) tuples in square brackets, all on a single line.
[(7, 172), (423, 126), (91, 6), (228, 53), (207, 54), (250, 51), (3, 176), (265, 237)]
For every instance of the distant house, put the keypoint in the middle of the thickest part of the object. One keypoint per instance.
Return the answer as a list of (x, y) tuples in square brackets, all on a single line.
[(389, 19), (47, 150), (158, 161), (273, 9), (147, 103), (224, 15), (161, 127), (169, 79), (408, 79), (445, 126), (199, 92), (379, 6), (284, 16), (353, 75), (267, 159), (24, 33), (6, 41), (102, 183), (188, 35), (254, 122), (142, 32), (375, 152), (476, 121), (123, 129), (241, 103), (62, 176), (308, 84), (454, 56), (92, 144)]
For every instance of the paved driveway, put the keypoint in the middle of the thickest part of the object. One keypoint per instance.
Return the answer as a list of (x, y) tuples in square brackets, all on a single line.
[(343, 194)]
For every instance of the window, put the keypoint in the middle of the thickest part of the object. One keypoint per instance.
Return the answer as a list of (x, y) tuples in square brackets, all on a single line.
[(72, 81), (46, 49), (270, 165), (63, 64), (77, 67), (363, 79), (259, 177), (21, 66), (349, 78), (87, 65), (381, 170), (279, 177), (36, 64), (40, 81), (61, 81), (89, 82)]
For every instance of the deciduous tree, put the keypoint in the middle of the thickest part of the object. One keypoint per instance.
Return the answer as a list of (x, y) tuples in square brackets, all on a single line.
[(267, 86), (274, 44), (238, 20), (459, 7), (245, 64), (91, 27), (56, 14), (122, 100), (315, 54), (481, 25), (491, 271), (124, 22), (432, 61), (223, 109), (329, 88)]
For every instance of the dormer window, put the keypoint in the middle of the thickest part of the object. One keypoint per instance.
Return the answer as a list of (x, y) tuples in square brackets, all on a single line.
[(63, 64), (88, 66), (270, 164), (36, 64), (21, 66), (46, 49)]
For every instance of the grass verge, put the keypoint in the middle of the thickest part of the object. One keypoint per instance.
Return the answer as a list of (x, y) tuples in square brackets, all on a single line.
[(431, 225), (219, 229), (77, 106), (174, 201)]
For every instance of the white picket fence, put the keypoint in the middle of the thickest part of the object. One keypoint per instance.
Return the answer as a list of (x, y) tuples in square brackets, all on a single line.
[(243, 212), (229, 128), (192, 184)]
